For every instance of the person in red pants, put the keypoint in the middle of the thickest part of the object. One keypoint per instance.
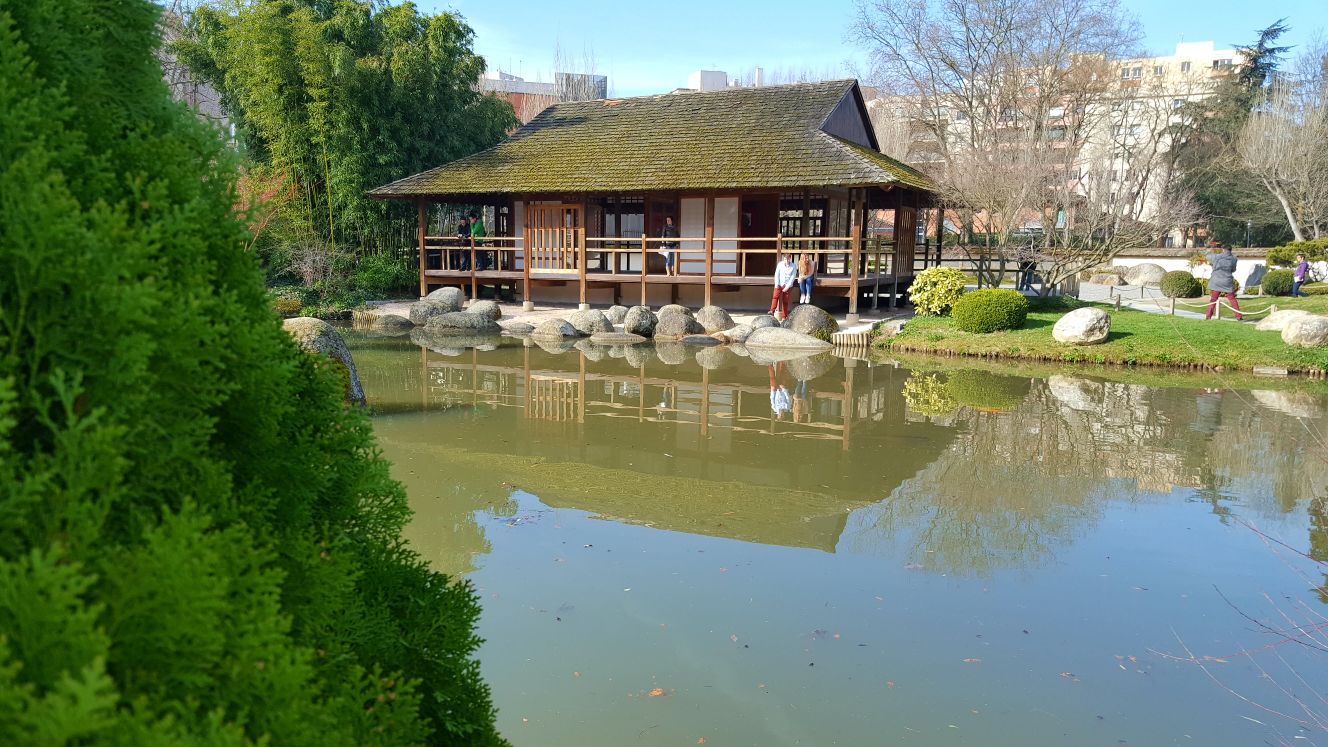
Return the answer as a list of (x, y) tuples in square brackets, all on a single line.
[(786, 276), (1222, 282)]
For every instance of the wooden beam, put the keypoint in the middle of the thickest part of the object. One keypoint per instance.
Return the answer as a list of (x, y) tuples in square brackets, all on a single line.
[(581, 260), (424, 283), (527, 302), (854, 261), (709, 245), (474, 289), (644, 255)]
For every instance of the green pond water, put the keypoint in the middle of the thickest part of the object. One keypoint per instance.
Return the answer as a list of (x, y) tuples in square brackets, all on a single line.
[(904, 554)]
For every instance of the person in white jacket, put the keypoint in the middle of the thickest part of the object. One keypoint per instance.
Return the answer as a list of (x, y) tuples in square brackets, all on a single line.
[(786, 276)]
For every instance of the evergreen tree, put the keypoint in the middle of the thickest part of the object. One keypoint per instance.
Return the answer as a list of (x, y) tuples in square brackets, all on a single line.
[(198, 543)]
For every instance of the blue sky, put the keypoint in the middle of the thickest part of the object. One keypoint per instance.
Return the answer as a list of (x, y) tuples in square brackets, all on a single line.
[(652, 47)]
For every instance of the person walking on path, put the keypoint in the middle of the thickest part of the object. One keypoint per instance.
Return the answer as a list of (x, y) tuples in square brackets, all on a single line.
[(786, 276), (806, 277), (1302, 274), (477, 234), (669, 249), (1026, 269), (1222, 281)]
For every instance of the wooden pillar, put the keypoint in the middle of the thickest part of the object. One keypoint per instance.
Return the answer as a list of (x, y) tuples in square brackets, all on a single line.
[(709, 245), (420, 207), (474, 288), (940, 233), (854, 261), (527, 301), (847, 406), (581, 265), (645, 253)]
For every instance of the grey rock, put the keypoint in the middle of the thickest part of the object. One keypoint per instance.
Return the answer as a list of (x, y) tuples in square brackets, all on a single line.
[(764, 320), (554, 329), (453, 298), (317, 337), (518, 328), (736, 334), (1278, 320), (672, 353), (670, 309), (640, 320), (486, 308), (452, 344), (638, 355), (616, 338), (714, 319), (422, 311), (1106, 278), (1086, 326), (713, 358), (617, 351), (616, 314), (590, 350), (554, 345), (1306, 331), (701, 340), (590, 321), (391, 321), (778, 337), (462, 323), (1146, 273), (811, 320), (812, 366), (676, 326)]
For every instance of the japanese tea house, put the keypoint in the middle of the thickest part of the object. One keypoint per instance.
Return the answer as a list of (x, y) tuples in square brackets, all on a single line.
[(577, 199)]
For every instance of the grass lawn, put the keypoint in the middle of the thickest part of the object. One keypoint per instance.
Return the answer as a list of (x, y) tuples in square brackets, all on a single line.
[(1137, 338)]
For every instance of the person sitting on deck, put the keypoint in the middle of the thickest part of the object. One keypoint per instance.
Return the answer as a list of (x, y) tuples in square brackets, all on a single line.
[(1222, 281), (786, 276), (806, 277), (477, 234), (669, 248)]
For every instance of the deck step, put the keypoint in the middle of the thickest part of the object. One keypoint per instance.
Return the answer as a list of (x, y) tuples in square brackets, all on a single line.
[(860, 339)]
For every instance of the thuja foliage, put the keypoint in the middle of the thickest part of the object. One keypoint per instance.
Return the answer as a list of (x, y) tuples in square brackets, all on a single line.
[(340, 96), (198, 543)]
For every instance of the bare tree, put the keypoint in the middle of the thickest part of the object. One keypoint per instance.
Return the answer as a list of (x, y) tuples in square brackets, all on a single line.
[(1285, 144)]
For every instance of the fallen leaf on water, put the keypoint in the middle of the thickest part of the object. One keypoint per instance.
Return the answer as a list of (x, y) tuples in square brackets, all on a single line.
[(657, 692), (972, 661)]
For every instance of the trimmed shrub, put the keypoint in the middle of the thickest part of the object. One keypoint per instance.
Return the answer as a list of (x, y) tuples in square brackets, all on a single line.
[(1203, 286), (990, 310), (986, 391), (199, 544), (1315, 250), (1277, 282), (1180, 284), (935, 290)]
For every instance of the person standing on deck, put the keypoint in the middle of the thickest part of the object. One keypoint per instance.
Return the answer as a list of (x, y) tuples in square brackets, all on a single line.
[(477, 234), (461, 257), (786, 276), (806, 277), (1301, 275), (1222, 281), (669, 249)]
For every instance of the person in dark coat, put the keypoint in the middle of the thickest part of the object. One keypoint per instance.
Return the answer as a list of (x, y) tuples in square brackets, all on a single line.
[(461, 257), (1223, 280)]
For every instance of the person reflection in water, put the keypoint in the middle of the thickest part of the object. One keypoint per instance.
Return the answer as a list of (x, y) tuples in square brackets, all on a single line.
[(779, 395), (800, 402)]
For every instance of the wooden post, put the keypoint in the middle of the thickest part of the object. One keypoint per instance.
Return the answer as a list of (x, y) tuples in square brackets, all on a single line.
[(474, 289), (876, 285), (854, 260), (709, 245), (424, 285), (1173, 307), (644, 256), (527, 302), (581, 264)]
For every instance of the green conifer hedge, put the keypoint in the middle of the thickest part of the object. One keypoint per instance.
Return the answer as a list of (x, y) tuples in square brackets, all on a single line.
[(198, 543)]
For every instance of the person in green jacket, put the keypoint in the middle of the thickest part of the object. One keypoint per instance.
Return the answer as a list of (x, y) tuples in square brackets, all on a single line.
[(477, 234)]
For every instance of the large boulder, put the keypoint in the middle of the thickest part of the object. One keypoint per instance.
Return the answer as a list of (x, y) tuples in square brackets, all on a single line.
[(1308, 331), (391, 324), (811, 320), (553, 329), (486, 308), (422, 311), (590, 321), (590, 350), (638, 355), (1277, 321), (784, 339), (463, 323), (616, 314), (317, 337), (713, 358), (518, 328), (454, 298), (676, 326), (1106, 278), (764, 320), (1146, 273), (616, 338), (734, 334), (640, 320), (672, 353), (714, 319), (670, 309), (1086, 326)]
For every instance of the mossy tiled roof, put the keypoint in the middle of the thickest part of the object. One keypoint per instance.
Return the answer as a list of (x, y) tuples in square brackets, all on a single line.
[(739, 138)]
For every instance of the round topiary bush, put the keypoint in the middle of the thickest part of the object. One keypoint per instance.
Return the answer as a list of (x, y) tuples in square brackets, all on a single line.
[(1180, 284), (1278, 282), (935, 290), (990, 310)]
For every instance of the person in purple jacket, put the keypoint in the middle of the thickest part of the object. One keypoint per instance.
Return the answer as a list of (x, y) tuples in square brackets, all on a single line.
[(1302, 274)]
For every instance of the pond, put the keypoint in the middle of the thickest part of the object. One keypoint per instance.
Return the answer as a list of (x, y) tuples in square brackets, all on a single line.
[(679, 547)]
